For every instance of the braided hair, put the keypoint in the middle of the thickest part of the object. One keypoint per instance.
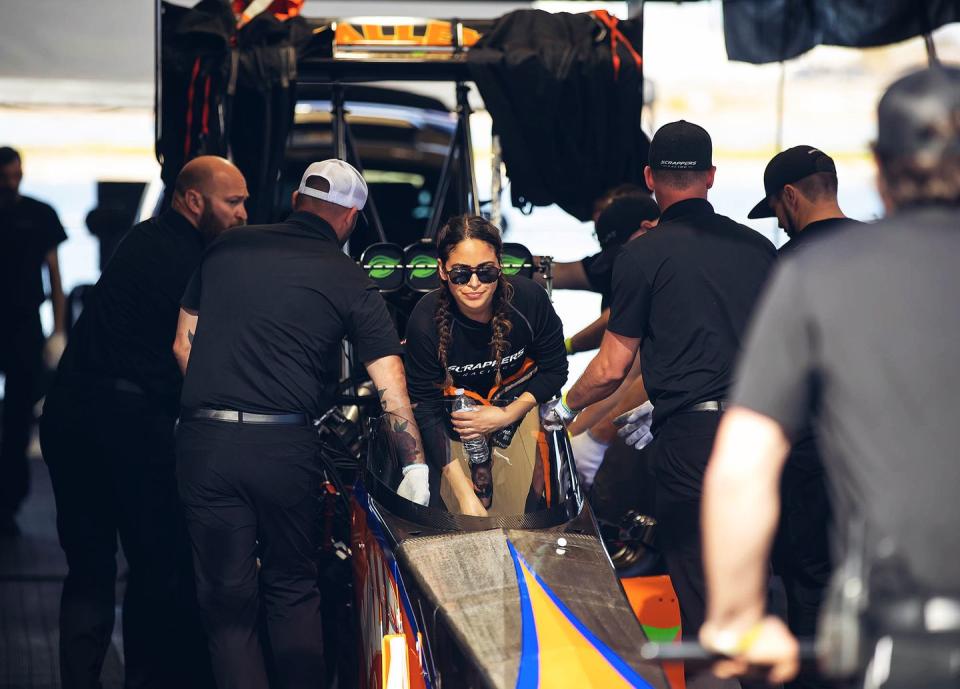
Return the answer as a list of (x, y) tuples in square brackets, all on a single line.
[(455, 231)]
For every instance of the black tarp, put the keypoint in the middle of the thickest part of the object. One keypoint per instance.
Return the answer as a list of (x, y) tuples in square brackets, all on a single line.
[(568, 120), (229, 93), (761, 31)]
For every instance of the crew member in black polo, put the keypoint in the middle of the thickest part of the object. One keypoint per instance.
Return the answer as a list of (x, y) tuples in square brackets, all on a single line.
[(635, 213), (800, 187), (29, 234), (682, 294), (107, 436), (260, 334)]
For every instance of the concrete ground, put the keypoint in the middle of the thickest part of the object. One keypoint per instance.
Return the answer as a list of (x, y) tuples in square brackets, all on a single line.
[(32, 569)]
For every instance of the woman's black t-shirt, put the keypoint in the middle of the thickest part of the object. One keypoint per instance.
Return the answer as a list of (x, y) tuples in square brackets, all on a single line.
[(535, 360)]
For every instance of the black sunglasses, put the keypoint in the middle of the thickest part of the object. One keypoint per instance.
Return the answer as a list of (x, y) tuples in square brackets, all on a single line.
[(486, 273)]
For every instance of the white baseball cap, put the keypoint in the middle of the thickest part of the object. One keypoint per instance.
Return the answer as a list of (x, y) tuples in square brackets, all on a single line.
[(347, 186)]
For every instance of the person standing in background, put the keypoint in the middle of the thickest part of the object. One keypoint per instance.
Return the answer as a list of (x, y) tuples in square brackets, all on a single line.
[(30, 232)]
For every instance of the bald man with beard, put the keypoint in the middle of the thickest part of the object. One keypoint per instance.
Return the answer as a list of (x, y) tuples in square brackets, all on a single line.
[(107, 437)]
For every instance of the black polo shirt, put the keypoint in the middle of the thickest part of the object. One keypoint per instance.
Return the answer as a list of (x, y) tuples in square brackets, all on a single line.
[(599, 271), (29, 229), (815, 231), (129, 321), (274, 303), (687, 291), (858, 335), (805, 457)]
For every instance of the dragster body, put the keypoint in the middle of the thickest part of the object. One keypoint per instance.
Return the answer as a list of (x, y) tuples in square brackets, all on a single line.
[(525, 597)]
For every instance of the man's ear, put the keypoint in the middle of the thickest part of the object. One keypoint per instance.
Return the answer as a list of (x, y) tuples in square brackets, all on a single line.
[(293, 198), (194, 201), (790, 196), (648, 224), (711, 176), (648, 177)]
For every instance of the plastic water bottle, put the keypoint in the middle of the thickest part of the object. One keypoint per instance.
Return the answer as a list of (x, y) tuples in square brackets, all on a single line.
[(477, 449)]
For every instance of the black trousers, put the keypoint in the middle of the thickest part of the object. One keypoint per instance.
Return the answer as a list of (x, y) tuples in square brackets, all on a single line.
[(21, 352), (679, 455), (252, 491), (111, 462), (801, 553)]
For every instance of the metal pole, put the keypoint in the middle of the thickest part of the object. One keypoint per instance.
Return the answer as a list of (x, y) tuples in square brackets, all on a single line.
[(370, 212), (932, 57), (496, 180), (469, 178), (339, 122), (443, 184), (781, 90)]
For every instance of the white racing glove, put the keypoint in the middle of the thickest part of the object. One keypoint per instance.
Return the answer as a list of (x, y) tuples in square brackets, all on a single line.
[(53, 349), (634, 426), (555, 415), (588, 455), (415, 485)]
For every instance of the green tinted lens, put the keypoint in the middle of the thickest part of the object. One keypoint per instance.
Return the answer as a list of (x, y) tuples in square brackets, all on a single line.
[(511, 265), (423, 267), (380, 267)]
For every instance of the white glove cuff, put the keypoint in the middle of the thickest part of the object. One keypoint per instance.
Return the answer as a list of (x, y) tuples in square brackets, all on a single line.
[(592, 444), (410, 467)]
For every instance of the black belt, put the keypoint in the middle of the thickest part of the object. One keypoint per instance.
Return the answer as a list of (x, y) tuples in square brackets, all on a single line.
[(122, 385), (234, 416), (712, 405)]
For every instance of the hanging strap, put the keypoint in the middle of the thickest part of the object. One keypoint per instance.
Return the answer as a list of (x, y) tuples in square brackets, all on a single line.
[(190, 94), (616, 37), (205, 118)]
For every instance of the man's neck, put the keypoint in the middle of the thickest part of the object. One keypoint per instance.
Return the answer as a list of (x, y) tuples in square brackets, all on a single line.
[(178, 206), (825, 211), (667, 197)]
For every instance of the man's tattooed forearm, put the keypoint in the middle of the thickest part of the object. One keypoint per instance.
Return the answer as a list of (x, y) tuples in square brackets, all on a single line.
[(406, 443), (190, 336)]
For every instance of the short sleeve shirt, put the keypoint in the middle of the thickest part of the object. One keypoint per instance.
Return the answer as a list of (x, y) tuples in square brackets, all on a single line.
[(687, 289), (859, 335), (274, 303), (129, 320), (29, 229), (599, 272)]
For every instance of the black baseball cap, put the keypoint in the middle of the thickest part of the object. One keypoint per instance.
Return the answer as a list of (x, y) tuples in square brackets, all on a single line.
[(919, 115), (681, 145), (622, 217), (786, 168)]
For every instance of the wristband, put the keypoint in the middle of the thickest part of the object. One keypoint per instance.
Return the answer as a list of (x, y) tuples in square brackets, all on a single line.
[(566, 412), (568, 345), (732, 645)]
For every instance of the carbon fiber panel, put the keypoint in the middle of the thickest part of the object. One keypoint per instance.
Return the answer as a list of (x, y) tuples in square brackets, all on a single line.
[(469, 578)]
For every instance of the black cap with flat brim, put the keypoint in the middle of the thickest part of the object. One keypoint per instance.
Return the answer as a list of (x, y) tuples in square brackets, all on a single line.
[(788, 167), (681, 145)]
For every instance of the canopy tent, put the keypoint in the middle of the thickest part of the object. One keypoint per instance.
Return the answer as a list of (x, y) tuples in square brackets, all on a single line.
[(49, 39)]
